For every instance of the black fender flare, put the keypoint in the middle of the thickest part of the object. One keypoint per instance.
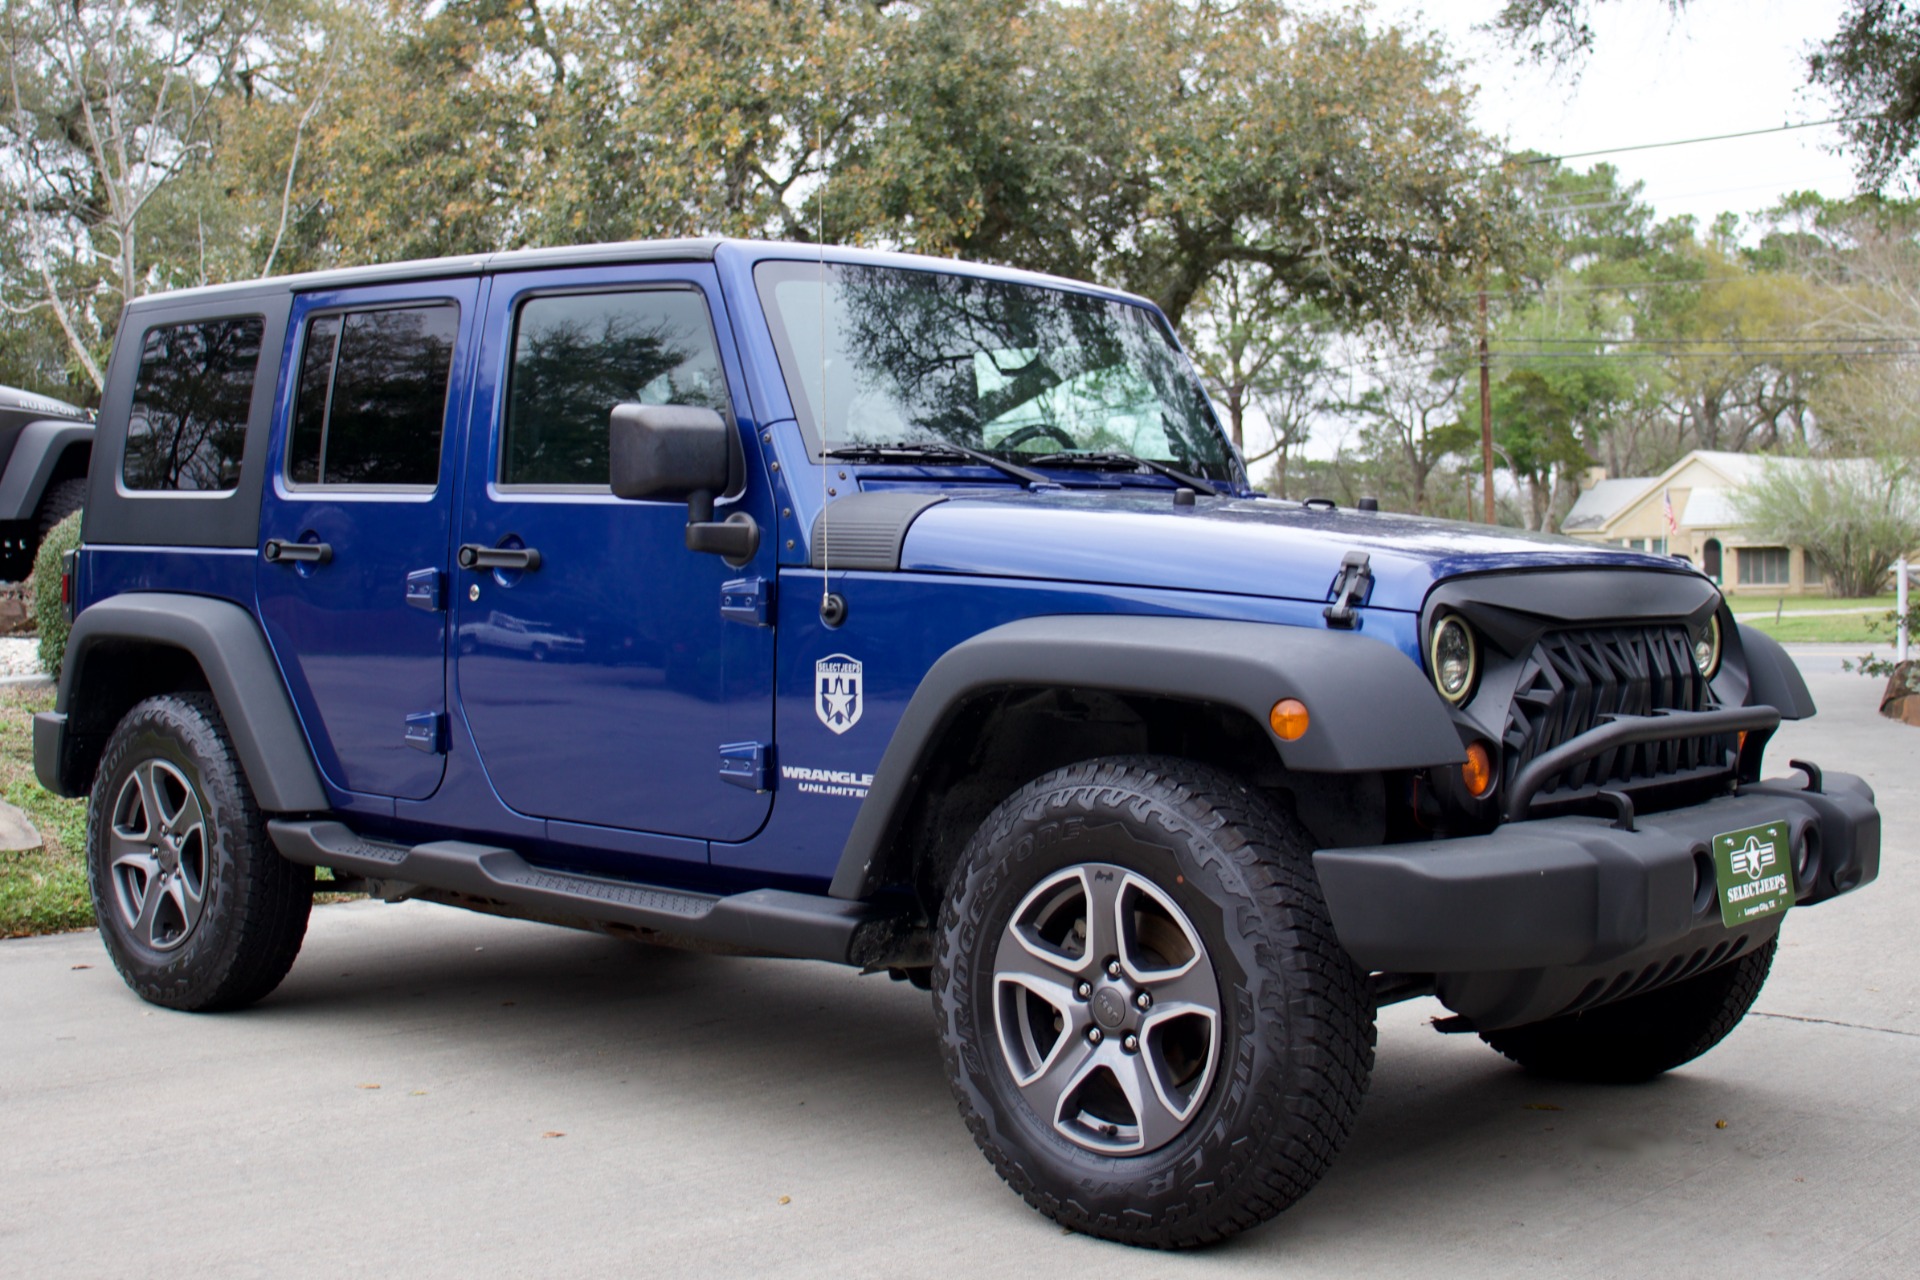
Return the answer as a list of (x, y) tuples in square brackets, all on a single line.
[(1370, 707), (1773, 678), (241, 674), (35, 456)]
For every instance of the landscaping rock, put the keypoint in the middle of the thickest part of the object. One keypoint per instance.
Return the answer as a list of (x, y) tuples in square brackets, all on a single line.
[(16, 609), (17, 833), (1901, 701)]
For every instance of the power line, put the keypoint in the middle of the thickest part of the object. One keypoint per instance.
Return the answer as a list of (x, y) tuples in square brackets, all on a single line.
[(1687, 142), (1597, 340)]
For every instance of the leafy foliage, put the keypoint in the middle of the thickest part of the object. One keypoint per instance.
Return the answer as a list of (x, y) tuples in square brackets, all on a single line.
[(1854, 517), (49, 613)]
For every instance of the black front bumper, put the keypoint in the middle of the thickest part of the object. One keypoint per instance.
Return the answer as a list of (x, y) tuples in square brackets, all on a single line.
[(1536, 917)]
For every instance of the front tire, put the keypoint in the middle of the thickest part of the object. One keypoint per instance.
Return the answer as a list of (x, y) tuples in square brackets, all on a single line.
[(197, 909), (1645, 1035), (1148, 1024)]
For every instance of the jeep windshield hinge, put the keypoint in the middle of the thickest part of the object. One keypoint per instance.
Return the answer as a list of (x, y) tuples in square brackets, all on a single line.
[(1349, 590)]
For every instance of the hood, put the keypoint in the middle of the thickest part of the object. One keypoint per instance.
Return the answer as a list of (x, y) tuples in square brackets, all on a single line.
[(1246, 546)]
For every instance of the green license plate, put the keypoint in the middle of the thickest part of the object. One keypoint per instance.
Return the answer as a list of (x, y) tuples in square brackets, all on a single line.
[(1752, 866)]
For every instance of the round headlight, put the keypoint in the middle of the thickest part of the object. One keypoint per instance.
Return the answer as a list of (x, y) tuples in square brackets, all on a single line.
[(1706, 647), (1454, 658)]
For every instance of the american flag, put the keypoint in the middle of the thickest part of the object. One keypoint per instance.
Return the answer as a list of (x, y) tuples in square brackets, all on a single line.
[(1666, 504)]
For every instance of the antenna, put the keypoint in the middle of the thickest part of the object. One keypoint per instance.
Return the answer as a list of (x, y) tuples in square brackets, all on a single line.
[(827, 609)]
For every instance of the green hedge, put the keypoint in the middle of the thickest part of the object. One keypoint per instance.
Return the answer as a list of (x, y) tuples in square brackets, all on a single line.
[(49, 615)]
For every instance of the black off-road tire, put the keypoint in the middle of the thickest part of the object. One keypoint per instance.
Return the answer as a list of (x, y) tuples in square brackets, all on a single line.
[(1642, 1036), (253, 904), (1296, 1031), (62, 499)]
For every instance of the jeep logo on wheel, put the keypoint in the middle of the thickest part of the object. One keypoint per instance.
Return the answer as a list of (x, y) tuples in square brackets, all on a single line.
[(837, 698)]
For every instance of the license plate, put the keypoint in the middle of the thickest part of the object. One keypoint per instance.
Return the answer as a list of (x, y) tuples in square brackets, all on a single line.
[(1752, 866)]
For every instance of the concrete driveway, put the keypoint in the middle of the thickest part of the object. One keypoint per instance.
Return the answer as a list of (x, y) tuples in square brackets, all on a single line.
[(438, 1094)]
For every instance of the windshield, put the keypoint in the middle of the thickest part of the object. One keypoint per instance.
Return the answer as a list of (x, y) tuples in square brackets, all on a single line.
[(884, 355)]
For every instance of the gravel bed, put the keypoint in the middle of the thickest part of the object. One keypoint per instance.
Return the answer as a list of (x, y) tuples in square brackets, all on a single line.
[(20, 656)]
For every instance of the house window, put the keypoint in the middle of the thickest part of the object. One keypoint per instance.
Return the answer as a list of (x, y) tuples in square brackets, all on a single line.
[(1765, 566), (1658, 546)]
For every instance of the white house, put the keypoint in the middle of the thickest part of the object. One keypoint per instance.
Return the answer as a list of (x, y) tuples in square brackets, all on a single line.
[(1703, 525)]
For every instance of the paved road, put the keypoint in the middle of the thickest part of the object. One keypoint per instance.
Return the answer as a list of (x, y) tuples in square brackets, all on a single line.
[(438, 1094)]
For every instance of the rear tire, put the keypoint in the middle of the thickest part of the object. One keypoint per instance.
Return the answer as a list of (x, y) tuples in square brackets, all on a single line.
[(1186, 1069), (197, 909), (62, 499), (1642, 1036)]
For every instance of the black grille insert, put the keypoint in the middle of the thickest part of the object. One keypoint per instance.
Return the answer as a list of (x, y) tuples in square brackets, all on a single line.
[(1573, 681)]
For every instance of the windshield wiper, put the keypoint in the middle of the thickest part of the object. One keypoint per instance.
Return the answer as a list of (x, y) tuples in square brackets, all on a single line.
[(1109, 458), (935, 453)]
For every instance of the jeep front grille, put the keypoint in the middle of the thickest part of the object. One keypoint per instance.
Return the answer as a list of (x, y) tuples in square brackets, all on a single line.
[(1574, 680)]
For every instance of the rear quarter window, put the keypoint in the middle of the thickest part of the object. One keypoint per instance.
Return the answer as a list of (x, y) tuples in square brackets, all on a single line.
[(187, 427)]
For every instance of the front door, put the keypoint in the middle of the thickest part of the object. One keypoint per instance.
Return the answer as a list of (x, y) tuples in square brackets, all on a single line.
[(354, 528), (593, 665)]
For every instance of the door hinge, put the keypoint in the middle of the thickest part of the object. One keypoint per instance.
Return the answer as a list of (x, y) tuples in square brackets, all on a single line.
[(748, 600), (427, 589), (1350, 589), (427, 731), (745, 764)]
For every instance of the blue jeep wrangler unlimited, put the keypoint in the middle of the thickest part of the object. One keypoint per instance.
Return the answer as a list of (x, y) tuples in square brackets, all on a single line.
[(915, 616)]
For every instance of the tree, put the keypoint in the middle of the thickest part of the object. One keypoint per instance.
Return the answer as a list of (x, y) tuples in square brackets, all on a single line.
[(1407, 413), (107, 106), (1854, 516), (1258, 356), (1872, 68)]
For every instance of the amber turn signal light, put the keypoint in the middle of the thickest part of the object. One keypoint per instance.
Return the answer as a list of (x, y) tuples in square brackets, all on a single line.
[(1289, 719), (1477, 772)]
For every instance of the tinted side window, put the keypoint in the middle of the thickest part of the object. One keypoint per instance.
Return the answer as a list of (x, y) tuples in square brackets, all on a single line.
[(576, 357), (187, 428), (372, 400)]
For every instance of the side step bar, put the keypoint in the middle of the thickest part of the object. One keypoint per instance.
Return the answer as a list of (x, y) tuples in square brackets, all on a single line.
[(772, 922)]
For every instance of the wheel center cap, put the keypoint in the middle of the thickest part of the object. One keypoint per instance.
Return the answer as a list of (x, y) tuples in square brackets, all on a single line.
[(1110, 1007)]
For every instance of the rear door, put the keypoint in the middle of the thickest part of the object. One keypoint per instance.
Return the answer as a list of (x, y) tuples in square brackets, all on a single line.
[(600, 680), (355, 527)]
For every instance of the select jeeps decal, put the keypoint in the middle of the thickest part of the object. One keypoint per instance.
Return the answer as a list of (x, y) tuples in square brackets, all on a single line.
[(837, 697), (827, 782), (1751, 867)]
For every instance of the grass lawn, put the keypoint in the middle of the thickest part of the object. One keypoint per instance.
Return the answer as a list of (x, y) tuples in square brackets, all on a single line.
[(1760, 602), (1800, 618), (44, 891)]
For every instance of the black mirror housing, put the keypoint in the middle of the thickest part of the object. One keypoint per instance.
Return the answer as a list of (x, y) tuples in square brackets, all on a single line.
[(668, 451)]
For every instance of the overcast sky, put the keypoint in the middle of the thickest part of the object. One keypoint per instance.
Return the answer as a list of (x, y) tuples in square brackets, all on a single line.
[(1721, 66)]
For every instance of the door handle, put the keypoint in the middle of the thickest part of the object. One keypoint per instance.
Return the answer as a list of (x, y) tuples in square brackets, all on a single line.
[(474, 556), (279, 552)]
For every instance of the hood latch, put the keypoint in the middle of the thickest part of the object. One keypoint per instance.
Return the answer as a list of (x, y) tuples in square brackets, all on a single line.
[(1349, 589)]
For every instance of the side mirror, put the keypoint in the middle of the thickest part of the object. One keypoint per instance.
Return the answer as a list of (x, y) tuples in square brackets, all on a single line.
[(667, 451), (673, 452)]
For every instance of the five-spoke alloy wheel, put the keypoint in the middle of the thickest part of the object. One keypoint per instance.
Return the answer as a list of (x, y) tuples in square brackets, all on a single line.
[(1107, 1009), (195, 906), (1148, 1024), (158, 846)]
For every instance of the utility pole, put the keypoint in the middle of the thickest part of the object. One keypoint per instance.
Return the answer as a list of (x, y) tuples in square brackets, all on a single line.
[(1486, 414)]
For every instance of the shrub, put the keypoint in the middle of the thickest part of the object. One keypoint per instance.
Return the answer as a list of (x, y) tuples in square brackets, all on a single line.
[(49, 615)]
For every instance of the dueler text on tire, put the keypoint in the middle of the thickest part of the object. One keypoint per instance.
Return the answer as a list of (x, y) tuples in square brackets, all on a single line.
[(1642, 1036), (196, 908), (1149, 1026)]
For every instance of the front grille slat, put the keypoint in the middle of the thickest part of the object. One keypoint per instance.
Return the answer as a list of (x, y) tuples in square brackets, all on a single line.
[(1572, 681)]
